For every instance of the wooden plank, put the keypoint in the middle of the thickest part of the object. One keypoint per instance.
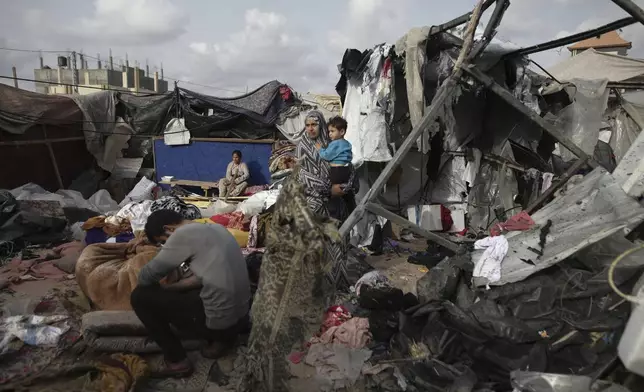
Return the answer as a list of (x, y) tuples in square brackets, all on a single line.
[(226, 140), (405, 224), (52, 156), (504, 94), (202, 184)]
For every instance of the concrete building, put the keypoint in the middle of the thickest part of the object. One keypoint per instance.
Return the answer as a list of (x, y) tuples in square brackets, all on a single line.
[(611, 43), (123, 78)]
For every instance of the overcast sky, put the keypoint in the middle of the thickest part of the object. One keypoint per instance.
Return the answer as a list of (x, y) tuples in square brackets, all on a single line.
[(234, 45)]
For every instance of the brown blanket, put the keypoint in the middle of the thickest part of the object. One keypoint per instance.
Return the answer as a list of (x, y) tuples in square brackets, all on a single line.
[(107, 273)]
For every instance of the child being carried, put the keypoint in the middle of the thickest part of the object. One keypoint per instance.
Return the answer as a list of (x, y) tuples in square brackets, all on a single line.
[(338, 152)]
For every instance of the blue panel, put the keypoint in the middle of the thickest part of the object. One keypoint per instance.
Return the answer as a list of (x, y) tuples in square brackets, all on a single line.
[(207, 161)]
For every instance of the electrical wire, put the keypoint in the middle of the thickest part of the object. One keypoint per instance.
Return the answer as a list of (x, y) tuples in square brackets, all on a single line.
[(79, 85), (611, 273), (35, 51)]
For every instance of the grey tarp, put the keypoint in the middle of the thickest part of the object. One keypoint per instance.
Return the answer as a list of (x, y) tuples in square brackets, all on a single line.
[(593, 65), (21, 109)]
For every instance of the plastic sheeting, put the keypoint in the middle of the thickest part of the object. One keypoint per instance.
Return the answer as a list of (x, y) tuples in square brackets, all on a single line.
[(594, 65), (625, 129), (100, 202), (582, 120), (546, 382), (592, 210), (20, 110), (494, 188), (364, 109)]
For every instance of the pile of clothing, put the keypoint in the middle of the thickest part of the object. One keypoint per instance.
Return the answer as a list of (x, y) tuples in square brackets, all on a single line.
[(282, 161)]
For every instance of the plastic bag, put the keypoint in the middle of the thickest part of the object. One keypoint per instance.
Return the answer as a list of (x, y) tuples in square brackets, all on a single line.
[(142, 191), (32, 329), (103, 202), (254, 205), (221, 207)]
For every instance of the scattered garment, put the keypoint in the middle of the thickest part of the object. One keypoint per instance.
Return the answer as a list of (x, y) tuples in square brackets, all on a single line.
[(32, 329), (188, 211), (337, 365), (136, 213), (353, 333), (110, 229), (18, 270), (334, 317), (519, 222), (489, 265), (233, 220), (374, 279)]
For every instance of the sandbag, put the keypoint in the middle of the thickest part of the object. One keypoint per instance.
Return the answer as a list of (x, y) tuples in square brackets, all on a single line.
[(107, 273)]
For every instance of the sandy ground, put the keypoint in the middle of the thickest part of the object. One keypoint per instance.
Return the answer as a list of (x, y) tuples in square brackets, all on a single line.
[(394, 265)]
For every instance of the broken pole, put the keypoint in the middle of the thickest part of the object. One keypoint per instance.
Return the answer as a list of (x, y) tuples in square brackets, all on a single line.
[(632, 9), (504, 94), (414, 228), (459, 20), (571, 39), (572, 170), (490, 28)]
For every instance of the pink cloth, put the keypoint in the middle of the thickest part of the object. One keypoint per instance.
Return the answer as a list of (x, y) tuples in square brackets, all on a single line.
[(353, 333), (251, 190), (519, 222)]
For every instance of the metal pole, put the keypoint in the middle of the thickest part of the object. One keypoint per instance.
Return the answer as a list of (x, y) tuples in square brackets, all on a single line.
[(518, 105), (74, 73), (572, 170), (459, 20), (633, 9), (15, 76), (571, 39)]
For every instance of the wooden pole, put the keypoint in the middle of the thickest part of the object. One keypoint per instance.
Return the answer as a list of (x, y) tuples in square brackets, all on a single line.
[(52, 156), (15, 76), (572, 170)]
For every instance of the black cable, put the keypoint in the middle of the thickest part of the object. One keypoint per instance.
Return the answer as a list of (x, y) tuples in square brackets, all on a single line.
[(35, 51), (79, 85)]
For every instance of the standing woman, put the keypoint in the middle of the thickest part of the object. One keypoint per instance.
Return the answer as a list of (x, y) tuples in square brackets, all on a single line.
[(237, 174), (323, 197)]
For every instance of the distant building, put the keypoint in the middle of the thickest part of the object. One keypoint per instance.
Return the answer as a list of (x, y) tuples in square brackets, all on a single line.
[(610, 42), (90, 80)]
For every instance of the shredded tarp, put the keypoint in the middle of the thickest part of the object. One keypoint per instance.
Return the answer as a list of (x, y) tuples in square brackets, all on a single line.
[(594, 209), (21, 109), (249, 116), (594, 65), (581, 120)]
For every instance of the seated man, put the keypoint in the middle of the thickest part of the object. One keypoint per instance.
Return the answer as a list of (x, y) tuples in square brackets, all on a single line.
[(210, 299)]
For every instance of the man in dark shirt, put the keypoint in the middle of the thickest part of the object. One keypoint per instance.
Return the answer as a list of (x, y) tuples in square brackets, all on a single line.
[(210, 300)]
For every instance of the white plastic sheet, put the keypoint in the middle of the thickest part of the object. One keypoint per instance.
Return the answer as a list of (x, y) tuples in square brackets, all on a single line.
[(141, 191), (176, 133)]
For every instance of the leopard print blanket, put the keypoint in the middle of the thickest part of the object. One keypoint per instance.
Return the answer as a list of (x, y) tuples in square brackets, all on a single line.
[(292, 291)]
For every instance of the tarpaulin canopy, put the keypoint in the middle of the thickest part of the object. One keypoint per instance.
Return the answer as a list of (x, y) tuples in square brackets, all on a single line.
[(249, 116), (21, 109), (594, 65)]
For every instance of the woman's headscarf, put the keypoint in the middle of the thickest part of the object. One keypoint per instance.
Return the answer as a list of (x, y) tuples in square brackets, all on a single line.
[(314, 171)]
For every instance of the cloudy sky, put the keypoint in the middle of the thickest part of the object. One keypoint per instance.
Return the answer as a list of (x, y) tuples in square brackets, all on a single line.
[(222, 47)]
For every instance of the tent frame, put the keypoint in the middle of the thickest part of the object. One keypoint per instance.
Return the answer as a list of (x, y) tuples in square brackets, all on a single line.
[(447, 89)]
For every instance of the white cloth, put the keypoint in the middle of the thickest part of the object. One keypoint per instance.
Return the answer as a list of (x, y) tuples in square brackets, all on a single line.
[(137, 213), (489, 265), (546, 183), (472, 168)]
